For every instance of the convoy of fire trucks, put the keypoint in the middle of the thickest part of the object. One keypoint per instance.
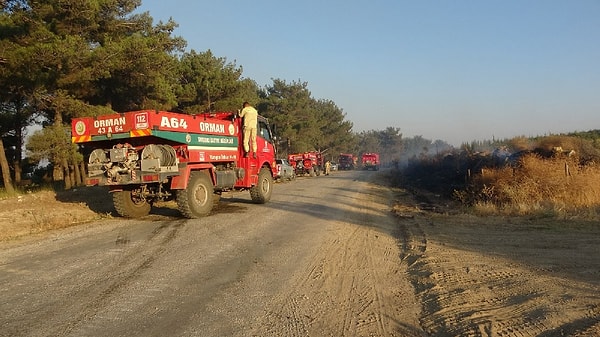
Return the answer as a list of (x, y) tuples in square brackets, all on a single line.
[(148, 156)]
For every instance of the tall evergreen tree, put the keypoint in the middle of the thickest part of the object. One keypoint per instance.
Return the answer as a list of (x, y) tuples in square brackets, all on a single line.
[(304, 123), (291, 108), (209, 83), (336, 131), (391, 144)]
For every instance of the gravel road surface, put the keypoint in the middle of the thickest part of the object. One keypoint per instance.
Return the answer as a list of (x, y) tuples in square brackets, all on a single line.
[(338, 255), (319, 259)]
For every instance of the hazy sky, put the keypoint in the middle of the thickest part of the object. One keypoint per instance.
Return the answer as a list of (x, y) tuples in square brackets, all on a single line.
[(452, 70)]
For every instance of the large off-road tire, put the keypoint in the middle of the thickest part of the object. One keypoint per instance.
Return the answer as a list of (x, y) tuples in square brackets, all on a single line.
[(261, 193), (129, 206), (197, 200)]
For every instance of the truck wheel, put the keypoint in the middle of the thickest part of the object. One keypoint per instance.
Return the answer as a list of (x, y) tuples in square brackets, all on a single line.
[(197, 199), (261, 193), (130, 206)]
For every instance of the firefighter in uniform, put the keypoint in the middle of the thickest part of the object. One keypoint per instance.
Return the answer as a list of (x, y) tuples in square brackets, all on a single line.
[(250, 116), (327, 167)]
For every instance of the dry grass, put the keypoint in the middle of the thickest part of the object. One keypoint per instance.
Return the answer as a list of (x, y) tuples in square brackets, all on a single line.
[(553, 176), (546, 187), (42, 209)]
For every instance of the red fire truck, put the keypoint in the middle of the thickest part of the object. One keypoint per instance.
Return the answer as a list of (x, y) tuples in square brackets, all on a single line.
[(346, 161), (370, 161), (147, 156), (310, 163)]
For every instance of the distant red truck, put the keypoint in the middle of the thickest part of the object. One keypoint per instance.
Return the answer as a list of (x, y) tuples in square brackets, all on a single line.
[(310, 163), (370, 161), (346, 161)]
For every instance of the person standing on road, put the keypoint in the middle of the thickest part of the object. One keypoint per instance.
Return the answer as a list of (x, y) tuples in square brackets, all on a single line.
[(327, 167), (250, 116)]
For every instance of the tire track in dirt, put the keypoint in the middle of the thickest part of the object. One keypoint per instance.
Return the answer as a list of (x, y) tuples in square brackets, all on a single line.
[(466, 293), (353, 285), (128, 267), (332, 289), (62, 293)]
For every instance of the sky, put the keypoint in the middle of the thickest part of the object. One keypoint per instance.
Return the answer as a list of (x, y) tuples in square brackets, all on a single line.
[(451, 70)]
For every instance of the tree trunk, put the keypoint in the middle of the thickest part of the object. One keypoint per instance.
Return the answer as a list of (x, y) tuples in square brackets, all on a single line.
[(61, 168), (57, 172), (72, 175), (82, 172), (77, 175), (20, 136), (67, 175), (5, 170), (18, 172)]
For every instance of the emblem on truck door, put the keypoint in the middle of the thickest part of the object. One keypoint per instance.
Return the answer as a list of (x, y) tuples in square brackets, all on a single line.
[(80, 128)]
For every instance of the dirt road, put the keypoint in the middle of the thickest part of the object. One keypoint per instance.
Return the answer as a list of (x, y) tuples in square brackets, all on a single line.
[(342, 255)]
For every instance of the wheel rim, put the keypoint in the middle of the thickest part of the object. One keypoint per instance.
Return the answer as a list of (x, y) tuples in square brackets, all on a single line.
[(266, 186), (136, 200), (200, 195)]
